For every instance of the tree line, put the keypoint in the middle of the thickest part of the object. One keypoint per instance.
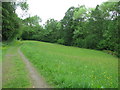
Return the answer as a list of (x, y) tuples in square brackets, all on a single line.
[(93, 28)]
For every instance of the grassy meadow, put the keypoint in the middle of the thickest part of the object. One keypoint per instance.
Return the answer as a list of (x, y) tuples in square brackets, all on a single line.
[(71, 67), (75, 46)]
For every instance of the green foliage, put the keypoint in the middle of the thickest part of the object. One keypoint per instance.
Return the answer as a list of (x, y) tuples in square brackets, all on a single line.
[(71, 67), (11, 25), (80, 12), (8, 28), (68, 26), (32, 21), (23, 5), (52, 28), (60, 41), (91, 41), (34, 31), (78, 42), (83, 27), (31, 28)]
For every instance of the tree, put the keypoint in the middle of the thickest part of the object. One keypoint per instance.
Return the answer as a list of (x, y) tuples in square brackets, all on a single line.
[(81, 17), (11, 22), (52, 28), (31, 27), (67, 26), (94, 28)]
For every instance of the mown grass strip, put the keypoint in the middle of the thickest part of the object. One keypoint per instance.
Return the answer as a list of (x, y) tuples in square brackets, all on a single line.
[(14, 74)]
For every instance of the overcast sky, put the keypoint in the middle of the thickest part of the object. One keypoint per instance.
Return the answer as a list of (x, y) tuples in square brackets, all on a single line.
[(56, 9)]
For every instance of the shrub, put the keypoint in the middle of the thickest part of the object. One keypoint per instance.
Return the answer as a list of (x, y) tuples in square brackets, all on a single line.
[(91, 42), (60, 41), (79, 42)]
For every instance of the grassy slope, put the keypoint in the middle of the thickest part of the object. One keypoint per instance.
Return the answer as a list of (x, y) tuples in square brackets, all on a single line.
[(72, 67), (14, 73)]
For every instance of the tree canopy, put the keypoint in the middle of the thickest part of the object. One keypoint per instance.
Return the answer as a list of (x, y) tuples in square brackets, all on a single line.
[(93, 28)]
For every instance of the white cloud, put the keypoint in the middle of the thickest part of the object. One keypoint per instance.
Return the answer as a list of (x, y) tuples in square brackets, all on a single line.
[(56, 9)]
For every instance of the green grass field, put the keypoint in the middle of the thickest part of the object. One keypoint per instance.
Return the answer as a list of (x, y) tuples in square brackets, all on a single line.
[(14, 73), (71, 67)]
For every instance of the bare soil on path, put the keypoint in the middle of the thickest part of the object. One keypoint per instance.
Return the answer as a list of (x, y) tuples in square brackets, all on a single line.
[(13, 77), (37, 80)]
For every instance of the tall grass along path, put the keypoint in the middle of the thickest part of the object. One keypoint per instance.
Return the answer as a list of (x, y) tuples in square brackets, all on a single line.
[(37, 80)]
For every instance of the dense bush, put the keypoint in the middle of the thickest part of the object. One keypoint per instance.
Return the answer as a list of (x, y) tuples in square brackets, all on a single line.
[(60, 41)]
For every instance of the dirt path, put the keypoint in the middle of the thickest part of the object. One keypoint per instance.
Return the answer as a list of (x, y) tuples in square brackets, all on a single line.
[(37, 80)]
